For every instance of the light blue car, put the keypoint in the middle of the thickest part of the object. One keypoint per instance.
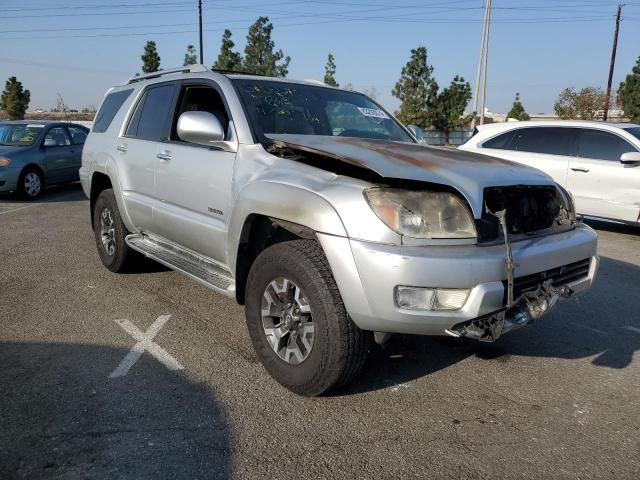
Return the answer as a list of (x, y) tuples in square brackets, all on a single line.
[(35, 154)]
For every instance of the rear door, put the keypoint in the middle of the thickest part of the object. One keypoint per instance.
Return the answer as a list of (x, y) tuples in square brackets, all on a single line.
[(194, 181), (601, 185), (136, 150), (58, 154), (545, 148), (77, 135)]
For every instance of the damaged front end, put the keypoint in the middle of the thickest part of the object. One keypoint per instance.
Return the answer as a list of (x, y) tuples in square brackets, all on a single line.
[(528, 307)]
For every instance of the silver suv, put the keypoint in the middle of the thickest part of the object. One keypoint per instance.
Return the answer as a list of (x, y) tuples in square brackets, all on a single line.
[(322, 214)]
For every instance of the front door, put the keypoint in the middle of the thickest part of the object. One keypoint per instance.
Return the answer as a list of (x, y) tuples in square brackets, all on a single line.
[(601, 185), (193, 181)]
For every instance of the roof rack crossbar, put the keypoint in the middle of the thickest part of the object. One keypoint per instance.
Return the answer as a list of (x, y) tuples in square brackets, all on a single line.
[(196, 68)]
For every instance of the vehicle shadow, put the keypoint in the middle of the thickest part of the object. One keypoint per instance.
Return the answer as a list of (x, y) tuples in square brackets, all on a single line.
[(613, 227), (604, 324), (70, 192), (62, 417)]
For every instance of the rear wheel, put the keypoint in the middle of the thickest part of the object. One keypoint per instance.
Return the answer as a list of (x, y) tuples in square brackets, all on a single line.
[(297, 320), (110, 233), (30, 183)]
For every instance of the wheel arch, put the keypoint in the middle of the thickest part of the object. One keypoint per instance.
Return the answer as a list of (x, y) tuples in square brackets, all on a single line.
[(99, 182)]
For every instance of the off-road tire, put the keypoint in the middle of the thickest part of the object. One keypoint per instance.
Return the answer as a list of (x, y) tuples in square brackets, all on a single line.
[(122, 258), (340, 348)]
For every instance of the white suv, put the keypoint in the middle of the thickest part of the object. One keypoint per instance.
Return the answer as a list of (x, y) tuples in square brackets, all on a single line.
[(599, 163)]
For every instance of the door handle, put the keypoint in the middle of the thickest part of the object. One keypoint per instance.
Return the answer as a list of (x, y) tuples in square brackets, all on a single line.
[(580, 169), (165, 156), (122, 148)]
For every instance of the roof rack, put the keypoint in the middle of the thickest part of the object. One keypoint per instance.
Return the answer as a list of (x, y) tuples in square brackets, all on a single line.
[(196, 68), (236, 72)]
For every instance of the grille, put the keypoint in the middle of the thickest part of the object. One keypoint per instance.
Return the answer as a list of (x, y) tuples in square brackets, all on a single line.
[(559, 276), (530, 208)]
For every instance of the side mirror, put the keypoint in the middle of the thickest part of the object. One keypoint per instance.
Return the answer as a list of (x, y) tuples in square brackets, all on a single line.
[(416, 132), (49, 142), (202, 128), (630, 157)]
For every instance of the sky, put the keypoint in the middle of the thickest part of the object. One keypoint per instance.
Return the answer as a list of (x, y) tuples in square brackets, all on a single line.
[(80, 48)]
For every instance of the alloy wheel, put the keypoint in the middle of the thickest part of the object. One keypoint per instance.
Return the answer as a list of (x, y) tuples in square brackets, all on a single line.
[(32, 184), (108, 231), (287, 321)]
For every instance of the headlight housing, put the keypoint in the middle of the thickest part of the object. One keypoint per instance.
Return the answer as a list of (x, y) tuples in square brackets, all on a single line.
[(421, 214), (4, 162)]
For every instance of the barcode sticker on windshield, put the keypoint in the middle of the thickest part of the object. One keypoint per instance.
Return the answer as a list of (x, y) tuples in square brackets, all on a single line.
[(372, 112)]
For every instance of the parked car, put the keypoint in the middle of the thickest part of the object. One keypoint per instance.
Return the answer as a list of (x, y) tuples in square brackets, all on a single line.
[(322, 214), (599, 163), (34, 154)]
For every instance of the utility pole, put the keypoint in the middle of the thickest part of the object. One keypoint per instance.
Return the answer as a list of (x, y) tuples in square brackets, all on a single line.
[(484, 49), (200, 23), (613, 62), (486, 63)]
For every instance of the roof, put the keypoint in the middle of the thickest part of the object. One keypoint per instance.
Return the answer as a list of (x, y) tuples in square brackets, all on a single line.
[(554, 123)]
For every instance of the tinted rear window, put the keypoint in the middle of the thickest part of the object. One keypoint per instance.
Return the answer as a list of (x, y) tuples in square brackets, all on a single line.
[(501, 142), (547, 140), (635, 131), (151, 117), (108, 110), (601, 145)]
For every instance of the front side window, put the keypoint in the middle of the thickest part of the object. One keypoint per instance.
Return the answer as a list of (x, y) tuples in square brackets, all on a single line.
[(289, 108), (149, 122), (19, 135), (57, 137), (546, 140), (601, 145), (200, 98)]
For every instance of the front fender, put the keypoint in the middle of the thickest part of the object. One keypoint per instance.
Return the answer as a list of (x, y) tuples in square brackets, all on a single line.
[(284, 202)]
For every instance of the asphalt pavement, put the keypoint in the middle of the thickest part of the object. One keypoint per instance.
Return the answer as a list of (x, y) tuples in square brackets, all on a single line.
[(559, 399)]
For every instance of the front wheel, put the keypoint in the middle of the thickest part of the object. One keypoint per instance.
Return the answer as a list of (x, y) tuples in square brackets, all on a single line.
[(298, 323), (30, 184)]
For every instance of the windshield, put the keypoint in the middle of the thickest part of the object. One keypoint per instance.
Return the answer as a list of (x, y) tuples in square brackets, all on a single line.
[(19, 135), (635, 131), (278, 107)]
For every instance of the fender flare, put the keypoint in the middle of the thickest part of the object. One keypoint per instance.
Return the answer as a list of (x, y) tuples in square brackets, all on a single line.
[(283, 202)]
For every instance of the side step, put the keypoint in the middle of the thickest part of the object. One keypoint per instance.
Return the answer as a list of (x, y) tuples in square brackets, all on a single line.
[(199, 268)]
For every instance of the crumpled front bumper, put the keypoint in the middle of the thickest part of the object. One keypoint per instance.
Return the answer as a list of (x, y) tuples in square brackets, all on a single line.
[(367, 274)]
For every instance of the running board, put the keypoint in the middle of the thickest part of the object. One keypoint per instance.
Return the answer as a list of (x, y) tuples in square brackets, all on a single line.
[(181, 260)]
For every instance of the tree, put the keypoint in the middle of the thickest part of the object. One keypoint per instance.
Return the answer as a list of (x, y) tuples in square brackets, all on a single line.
[(447, 113), (416, 90), (586, 104), (227, 58), (330, 72), (517, 110), (15, 99), (259, 55), (189, 57), (150, 58), (629, 94)]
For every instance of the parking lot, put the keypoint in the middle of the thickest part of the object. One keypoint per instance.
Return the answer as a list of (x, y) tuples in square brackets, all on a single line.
[(555, 400)]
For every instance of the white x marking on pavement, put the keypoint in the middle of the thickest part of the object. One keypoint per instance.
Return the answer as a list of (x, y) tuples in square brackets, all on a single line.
[(145, 343)]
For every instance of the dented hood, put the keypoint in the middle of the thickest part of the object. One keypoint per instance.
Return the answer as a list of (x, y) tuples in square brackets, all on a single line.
[(467, 172)]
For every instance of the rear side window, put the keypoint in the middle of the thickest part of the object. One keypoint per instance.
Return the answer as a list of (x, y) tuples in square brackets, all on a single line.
[(108, 110), (547, 140), (501, 142), (601, 145), (150, 120), (78, 135)]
